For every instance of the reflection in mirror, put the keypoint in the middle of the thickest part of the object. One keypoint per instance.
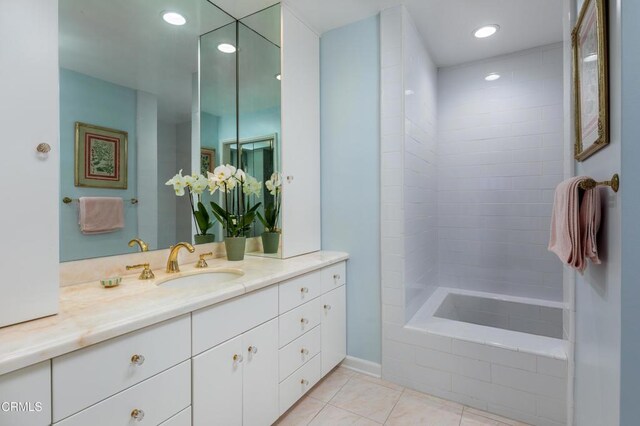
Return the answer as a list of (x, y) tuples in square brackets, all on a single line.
[(258, 151), (218, 112), (129, 116)]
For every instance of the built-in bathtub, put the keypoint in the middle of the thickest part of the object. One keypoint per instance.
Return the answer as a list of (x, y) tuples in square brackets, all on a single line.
[(506, 354)]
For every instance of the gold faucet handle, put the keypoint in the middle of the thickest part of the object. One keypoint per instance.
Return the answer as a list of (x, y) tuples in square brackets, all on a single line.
[(143, 246), (203, 263), (146, 274)]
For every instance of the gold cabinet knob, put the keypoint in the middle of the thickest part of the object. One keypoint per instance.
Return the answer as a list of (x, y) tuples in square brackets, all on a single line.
[(304, 321), (304, 382), (304, 351), (237, 358), (43, 148), (137, 359), (304, 290), (253, 349), (137, 414)]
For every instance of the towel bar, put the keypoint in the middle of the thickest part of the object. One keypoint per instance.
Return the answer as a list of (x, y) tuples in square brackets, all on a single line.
[(68, 200), (614, 183)]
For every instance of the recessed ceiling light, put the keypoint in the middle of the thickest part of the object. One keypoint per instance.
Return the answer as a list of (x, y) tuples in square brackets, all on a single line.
[(486, 31), (492, 77), (409, 92), (591, 58), (173, 18), (226, 48), (278, 77)]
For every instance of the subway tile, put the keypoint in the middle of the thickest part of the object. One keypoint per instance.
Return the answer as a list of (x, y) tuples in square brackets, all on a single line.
[(552, 367), (539, 384)]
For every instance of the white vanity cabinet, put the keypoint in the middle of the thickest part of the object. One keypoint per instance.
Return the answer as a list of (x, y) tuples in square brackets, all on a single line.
[(236, 383), (243, 361), (25, 396)]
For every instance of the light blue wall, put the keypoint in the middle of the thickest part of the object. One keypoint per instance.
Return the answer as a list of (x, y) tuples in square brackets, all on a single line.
[(350, 147), (254, 124), (598, 293), (209, 128), (630, 368), (94, 101)]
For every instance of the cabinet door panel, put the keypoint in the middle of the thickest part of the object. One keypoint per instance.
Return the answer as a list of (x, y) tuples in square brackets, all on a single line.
[(334, 328), (300, 137), (31, 387), (29, 110), (217, 385), (260, 375)]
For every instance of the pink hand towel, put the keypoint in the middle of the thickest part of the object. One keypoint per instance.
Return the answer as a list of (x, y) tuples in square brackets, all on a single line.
[(100, 215), (574, 225), (590, 224)]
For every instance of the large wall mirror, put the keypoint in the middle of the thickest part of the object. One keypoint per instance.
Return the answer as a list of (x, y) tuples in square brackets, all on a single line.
[(149, 88)]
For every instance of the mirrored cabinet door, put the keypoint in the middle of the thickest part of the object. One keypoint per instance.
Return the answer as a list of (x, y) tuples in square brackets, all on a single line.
[(259, 96)]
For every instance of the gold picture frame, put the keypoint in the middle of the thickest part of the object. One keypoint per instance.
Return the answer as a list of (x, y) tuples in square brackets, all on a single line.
[(207, 160), (591, 79), (101, 156)]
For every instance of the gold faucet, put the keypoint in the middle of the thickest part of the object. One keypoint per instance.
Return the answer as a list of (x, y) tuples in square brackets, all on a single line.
[(172, 263), (202, 263), (146, 274), (143, 246)]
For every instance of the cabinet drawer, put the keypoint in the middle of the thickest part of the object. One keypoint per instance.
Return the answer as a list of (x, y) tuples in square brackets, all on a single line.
[(298, 352), (334, 276), (92, 374), (299, 383), (214, 325), (159, 398), (183, 418), (297, 291), (295, 323), (30, 387)]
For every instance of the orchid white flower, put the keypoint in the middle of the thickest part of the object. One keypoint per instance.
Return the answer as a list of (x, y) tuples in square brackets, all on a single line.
[(240, 175), (252, 186), (274, 185), (179, 183), (223, 178), (198, 184)]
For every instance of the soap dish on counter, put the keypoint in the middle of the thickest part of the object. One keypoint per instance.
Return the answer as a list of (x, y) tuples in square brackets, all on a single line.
[(111, 282)]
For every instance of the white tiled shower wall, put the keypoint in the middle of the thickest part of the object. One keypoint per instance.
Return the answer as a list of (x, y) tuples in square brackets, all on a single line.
[(500, 157), (515, 384), (420, 171)]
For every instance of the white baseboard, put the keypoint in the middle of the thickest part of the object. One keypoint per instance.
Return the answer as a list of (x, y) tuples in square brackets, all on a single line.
[(362, 366)]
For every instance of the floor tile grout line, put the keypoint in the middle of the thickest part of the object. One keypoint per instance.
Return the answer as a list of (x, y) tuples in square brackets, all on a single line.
[(394, 406), (319, 411)]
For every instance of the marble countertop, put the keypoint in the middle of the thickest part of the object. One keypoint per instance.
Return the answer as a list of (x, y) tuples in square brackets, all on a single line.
[(90, 314)]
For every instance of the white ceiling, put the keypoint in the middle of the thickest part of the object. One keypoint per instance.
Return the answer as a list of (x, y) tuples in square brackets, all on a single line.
[(137, 49), (446, 26)]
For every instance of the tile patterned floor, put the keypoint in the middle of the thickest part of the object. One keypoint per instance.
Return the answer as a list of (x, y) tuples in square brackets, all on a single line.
[(345, 397)]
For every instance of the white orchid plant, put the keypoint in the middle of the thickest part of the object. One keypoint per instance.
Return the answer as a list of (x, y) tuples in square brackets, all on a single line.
[(237, 215), (194, 185), (272, 210)]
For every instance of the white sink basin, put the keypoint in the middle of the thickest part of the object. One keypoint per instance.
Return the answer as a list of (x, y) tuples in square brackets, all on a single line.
[(201, 278)]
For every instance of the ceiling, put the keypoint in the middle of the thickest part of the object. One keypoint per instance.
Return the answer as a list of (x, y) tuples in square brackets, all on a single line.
[(137, 49), (446, 26)]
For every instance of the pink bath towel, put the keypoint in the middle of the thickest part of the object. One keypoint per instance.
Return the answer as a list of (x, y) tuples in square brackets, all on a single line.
[(100, 215), (574, 225)]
